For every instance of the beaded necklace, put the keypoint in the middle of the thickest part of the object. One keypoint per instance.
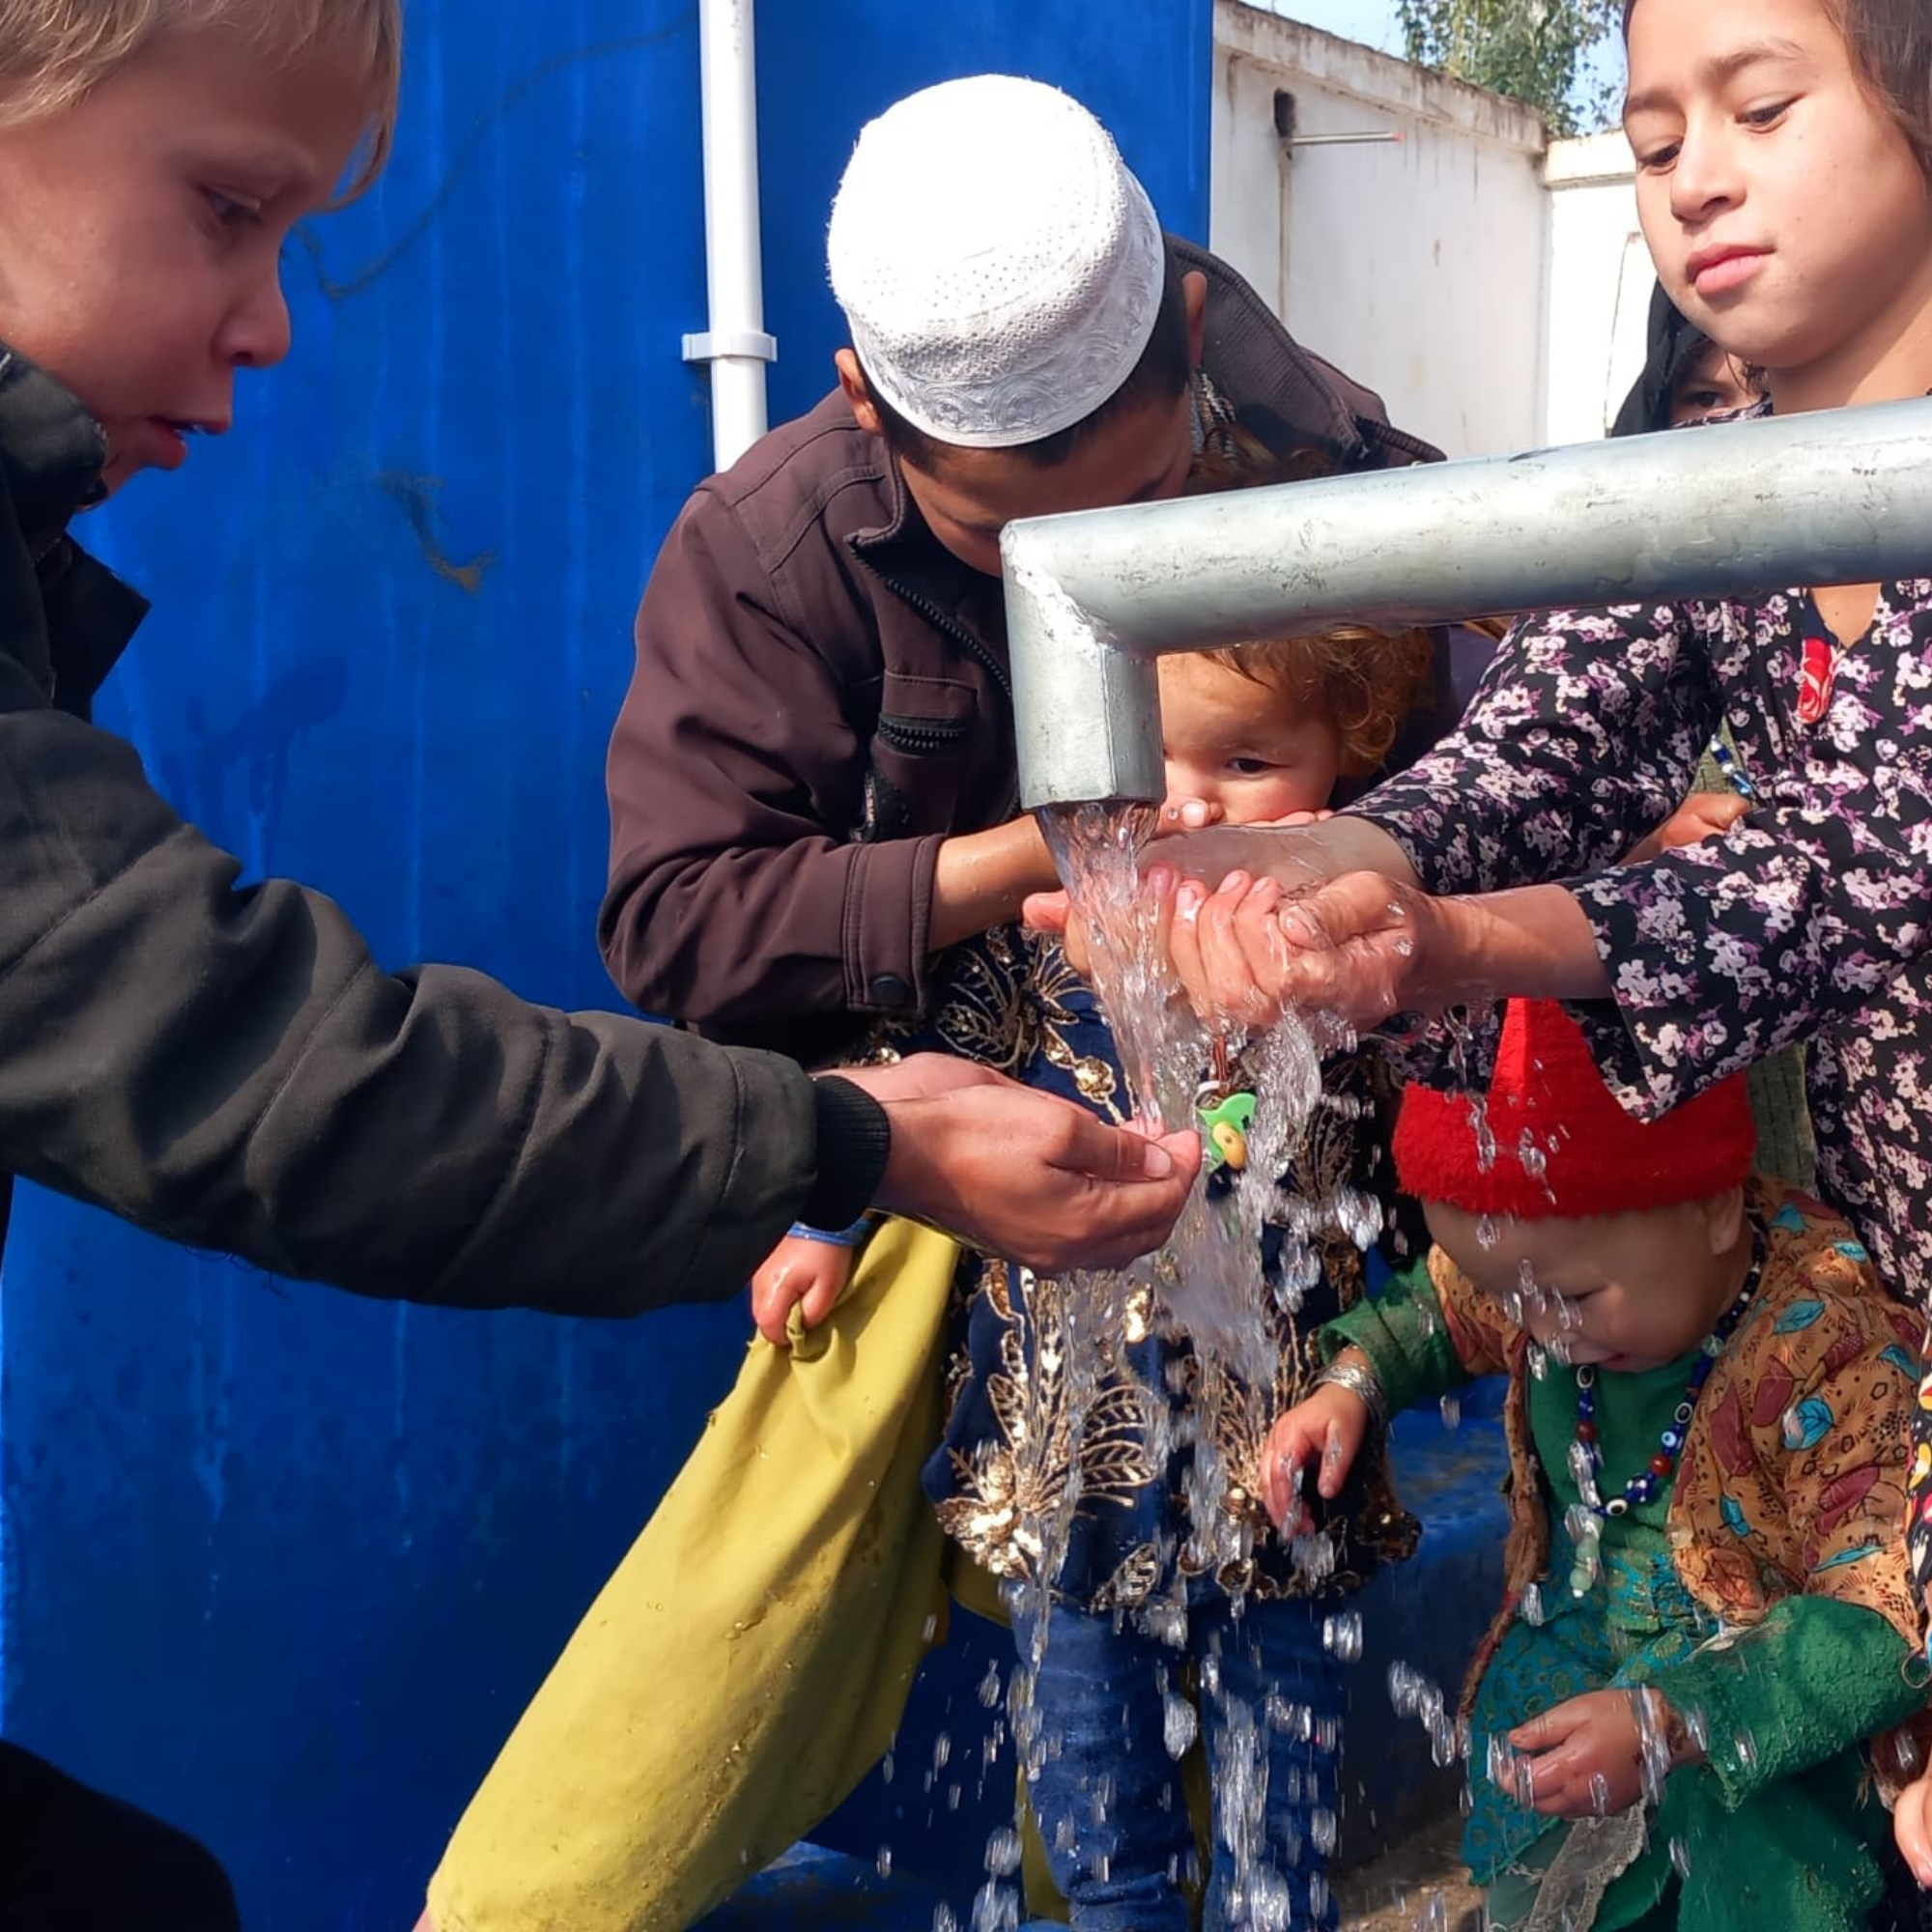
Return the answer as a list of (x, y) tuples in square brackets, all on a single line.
[(1586, 1457)]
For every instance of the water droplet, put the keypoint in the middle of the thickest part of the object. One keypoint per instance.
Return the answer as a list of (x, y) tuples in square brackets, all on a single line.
[(996, 1908), (1600, 1795), (1452, 1412), (1323, 1829), (1342, 1635), (1679, 1857), (1003, 1852), (1180, 1725), (885, 1862), (942, 1750), (989, 1687), (887, 1768)]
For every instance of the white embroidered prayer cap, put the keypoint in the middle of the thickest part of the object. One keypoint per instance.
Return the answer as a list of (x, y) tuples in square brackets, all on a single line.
[(1000, 269)]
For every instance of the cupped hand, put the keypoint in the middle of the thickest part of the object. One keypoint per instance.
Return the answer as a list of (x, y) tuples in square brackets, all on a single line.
[(1029, 1176), (1361, 949)]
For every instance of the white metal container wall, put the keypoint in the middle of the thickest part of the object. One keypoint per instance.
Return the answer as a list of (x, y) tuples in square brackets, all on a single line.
[(1491, 286), (1417, 265)]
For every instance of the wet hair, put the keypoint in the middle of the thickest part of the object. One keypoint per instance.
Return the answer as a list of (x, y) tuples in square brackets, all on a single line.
[(1890, 45), (1363, 681), (53, 52), (1164, 369)]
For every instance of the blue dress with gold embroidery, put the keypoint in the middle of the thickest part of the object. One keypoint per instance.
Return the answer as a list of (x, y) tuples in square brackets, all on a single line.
[(1023, 1446)]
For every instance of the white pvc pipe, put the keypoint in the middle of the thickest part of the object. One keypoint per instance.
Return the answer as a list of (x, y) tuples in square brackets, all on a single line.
[(735, 343)]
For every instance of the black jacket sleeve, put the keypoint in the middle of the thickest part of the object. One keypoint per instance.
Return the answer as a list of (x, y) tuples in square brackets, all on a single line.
[(229, 1068)]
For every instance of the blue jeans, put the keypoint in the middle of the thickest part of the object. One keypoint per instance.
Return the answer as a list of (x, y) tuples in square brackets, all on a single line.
[(1107, 1793)]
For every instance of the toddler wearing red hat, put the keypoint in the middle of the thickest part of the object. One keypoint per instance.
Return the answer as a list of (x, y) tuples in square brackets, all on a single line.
[(1708, 1611)]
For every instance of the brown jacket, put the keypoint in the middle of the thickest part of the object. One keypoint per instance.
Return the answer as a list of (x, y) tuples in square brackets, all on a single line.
[(821, 698)]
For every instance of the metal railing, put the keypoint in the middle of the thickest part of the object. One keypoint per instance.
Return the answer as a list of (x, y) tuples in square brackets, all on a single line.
[(1842, 497)]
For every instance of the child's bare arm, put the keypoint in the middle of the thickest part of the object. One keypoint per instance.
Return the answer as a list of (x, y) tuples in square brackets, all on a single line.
[(1326, 1429), (804, 1272)]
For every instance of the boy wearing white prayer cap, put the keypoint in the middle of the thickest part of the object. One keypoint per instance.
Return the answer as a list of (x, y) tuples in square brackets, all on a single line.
[(813, 781)]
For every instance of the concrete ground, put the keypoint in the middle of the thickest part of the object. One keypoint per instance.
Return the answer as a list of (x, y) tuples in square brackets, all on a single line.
[(1420, 1888)]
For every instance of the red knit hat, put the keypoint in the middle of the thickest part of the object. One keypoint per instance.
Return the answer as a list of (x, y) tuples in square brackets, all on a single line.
[(1596, 1159)]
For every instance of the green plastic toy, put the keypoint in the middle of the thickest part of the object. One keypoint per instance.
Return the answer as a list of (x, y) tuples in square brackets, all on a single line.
[(1224, 1133)]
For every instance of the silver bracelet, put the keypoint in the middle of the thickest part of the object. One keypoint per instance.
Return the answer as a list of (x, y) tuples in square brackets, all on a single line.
[(1362, 1382)]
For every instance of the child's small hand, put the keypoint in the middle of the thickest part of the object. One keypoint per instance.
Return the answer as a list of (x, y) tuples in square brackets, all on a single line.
[(798, 1273), (1326, 1429), (1704, 814), (1585, 1758), (1911, 1827), (1188, 814)]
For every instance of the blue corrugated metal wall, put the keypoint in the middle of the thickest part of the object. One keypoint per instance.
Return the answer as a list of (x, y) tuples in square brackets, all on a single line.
[(277, 1563)]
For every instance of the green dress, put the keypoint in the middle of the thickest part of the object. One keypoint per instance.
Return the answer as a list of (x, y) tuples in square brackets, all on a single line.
[(1778, 1827), (1635, 1616)]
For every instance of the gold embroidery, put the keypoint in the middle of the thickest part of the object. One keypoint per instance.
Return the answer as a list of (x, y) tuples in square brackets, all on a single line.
[(1010, 1002), (1009, 1487)]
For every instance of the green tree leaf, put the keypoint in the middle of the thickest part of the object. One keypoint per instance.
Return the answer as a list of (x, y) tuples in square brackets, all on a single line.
[(1536, 51)]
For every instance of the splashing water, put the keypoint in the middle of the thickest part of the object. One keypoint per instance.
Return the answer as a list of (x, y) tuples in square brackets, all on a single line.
[(1212, 1286), (1206, 1286)]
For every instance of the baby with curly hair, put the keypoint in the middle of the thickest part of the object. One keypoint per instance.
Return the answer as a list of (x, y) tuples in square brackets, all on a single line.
[(1250, 735)]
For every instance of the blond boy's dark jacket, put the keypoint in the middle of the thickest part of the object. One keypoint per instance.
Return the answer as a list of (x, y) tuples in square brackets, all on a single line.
[(230, 1069)]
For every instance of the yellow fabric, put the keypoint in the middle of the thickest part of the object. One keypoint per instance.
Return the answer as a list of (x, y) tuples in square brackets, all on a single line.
[(749, 1661)]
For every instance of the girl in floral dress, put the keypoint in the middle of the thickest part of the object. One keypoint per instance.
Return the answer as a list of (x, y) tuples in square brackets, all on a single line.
[(1784, 180)]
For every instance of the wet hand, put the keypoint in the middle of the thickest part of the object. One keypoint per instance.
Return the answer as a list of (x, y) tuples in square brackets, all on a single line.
[(1053, 913), (1585, 1758), (920, 1076), (1188, 814), (1031, 1177), (1361, 949), (798, 1273), (1324, 1433), (1912, 1829)]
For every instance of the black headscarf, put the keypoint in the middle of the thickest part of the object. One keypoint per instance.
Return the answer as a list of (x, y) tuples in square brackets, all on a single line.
[(1674, 345)]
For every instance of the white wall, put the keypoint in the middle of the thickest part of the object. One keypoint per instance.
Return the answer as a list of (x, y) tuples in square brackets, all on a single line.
[(1418, 267), (1600, 285)]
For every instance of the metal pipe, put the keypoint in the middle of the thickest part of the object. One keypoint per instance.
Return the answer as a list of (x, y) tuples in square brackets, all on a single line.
[(1381, 137), (1839, 496), (735, 343)]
